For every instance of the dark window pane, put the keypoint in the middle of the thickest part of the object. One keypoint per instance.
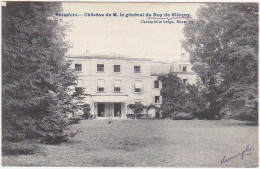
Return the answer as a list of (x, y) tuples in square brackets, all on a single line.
[(138, 90), (78, 89), (116, 68), (100, 67), (157, 99), (156, 84), (185, 81), (184, 68), (117, 89), (137, 69), (78, 67), (100, 89)]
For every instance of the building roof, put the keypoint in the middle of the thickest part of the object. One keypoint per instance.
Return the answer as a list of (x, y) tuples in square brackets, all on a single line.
[(117, 57), (160, 68)]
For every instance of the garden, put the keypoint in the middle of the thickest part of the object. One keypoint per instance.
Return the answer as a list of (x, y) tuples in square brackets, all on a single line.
[(149, 143)]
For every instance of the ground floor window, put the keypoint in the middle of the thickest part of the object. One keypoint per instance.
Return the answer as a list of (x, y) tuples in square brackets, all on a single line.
[(101, 109), (109, 109), (117, 110), (157, 99), (185, 81), (116, 89)]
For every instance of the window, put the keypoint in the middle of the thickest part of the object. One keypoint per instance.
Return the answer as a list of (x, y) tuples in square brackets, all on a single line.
[(78, 89), (157, 99), (100, 67), (137, 90), (117, 86), (156, 84), (100, 89), (116, 68), (137, 69), (79, 85), (138, 86), (78, 67), (185, 81), (101, 85), (117, 89), (184, 68)]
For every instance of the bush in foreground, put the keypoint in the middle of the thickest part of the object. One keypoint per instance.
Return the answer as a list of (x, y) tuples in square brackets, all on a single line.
[(9, 148), (182, 116)]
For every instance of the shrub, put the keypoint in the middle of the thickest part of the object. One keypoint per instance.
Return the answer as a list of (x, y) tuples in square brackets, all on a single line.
[(181, 116), (137, 108), (74, 120), (86, 110), (16, 148)]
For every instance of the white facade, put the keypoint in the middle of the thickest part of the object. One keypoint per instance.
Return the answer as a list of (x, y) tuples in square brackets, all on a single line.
[(183, 69), (113, 83)]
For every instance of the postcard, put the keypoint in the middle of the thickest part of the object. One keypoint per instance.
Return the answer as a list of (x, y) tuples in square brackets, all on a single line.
[(135, 84)]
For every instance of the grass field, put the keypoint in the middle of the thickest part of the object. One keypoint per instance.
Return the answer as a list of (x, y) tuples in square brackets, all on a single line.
[(157, 143)]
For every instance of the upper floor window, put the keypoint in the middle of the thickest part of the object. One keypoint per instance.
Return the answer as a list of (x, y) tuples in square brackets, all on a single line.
[(138, 86), (78, 67), (185, 81), (117, 86), (156, 84), (156, 99), (184, 68), (101, 85), (137, 69), (78, 89), (116, 68), (100, 67)]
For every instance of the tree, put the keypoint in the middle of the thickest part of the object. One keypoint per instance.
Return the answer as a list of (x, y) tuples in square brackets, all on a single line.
[(182, 100), (35, 74), (223, 47), (172, 93), (137, 108)]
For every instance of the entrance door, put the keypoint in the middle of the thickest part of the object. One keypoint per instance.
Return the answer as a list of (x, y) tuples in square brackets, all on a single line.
[(117, 110), (101, 109), (109, 109)]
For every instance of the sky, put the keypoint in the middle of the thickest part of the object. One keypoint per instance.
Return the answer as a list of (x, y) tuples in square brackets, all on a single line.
[(127, 36)]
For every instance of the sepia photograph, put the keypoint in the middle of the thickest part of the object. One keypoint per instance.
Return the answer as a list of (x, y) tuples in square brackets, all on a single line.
[(130, 84)]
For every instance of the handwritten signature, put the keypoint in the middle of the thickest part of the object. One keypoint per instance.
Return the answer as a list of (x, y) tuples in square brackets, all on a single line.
[(247, 151)]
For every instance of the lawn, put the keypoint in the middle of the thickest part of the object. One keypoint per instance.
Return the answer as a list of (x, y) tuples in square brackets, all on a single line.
[(157, 143)]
